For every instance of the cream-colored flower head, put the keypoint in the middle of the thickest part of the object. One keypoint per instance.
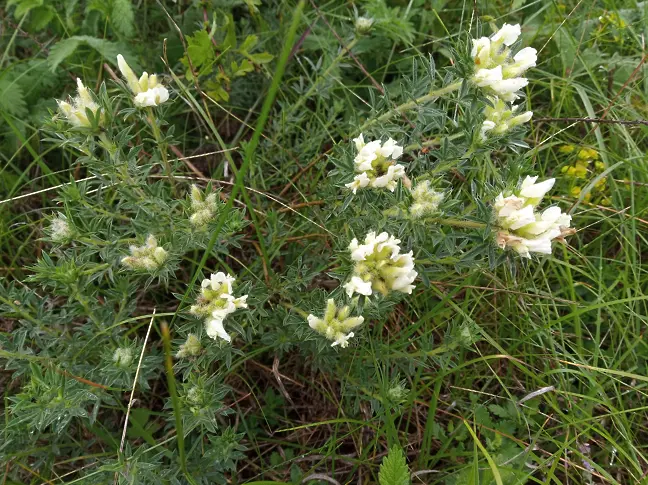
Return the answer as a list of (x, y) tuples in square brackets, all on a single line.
[(496, 70), (147, 89), (426, 200), (215, 302), (380, 267), (149, 257), (190, 348), (500, 118), (60, 230), (336, 324), (75, 111), (523, 229), (203, 208), (123, 357), (375, 165)]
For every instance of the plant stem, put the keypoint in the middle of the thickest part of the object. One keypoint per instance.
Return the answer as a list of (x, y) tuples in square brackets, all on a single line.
[(162, 146), (313, 87), (459, 223), (414, 103)]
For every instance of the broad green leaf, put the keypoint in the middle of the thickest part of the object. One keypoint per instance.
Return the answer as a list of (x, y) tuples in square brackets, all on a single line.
[(261, 58), (65, 48), (40, 17)]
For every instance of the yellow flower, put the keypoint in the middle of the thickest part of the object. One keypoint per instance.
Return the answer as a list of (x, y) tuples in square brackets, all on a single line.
[(567, 149)]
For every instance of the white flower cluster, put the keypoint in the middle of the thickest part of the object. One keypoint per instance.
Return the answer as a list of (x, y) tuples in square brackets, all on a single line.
[(148, 257), (495, 70), (75, 112), (521, 227), (500, 118), (336, 324), (379, 266), (375, 164), (216, 302), (147, 90), (203, 208), (426, 200), (60, 230)]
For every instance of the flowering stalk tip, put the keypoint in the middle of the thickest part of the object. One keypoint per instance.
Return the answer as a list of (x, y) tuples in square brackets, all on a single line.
[(336, 324), (496, 70), (375, 164), (75, 111), (149, 257), (215, 302), (521, 227), (379, 266), (147, 90)]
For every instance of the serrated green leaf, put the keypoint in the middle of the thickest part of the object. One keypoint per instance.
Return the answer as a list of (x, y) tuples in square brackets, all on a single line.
[(393, 469), (12, 98), (61, 50), (122, 17), (249, 43)]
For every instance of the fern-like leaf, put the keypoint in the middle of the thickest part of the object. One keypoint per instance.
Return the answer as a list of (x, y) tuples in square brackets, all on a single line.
[(122, 17)]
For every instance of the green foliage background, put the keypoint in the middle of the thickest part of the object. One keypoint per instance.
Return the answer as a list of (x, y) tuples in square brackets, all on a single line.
[(496, 370)]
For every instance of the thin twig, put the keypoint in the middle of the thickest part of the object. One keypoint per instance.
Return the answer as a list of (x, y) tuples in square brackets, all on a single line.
[(595, 120), (130, 401)]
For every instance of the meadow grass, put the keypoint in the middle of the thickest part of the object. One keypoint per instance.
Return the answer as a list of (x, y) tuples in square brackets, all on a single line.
[(531, 372)]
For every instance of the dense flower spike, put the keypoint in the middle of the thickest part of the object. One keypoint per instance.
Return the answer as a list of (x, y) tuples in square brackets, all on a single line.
[(521, 227), (190, 348), (123, 357), (148, 257), (426, 200), (495, 70), (60, 230), (75, 112), (336, 324), (500, 118), (375, 164), (147, 90), (203, 208), (363, 25), (380, 267), (216, 302)]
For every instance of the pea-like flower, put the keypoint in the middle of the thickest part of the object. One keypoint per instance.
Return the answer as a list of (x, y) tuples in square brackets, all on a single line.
[(521, 227), (375, 164), (215, 302), (379, 266), (336, 324), (147, 89), (149, 257), (76, 110), (426, 200), (203, 208), (496, 70), (500, 118)]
